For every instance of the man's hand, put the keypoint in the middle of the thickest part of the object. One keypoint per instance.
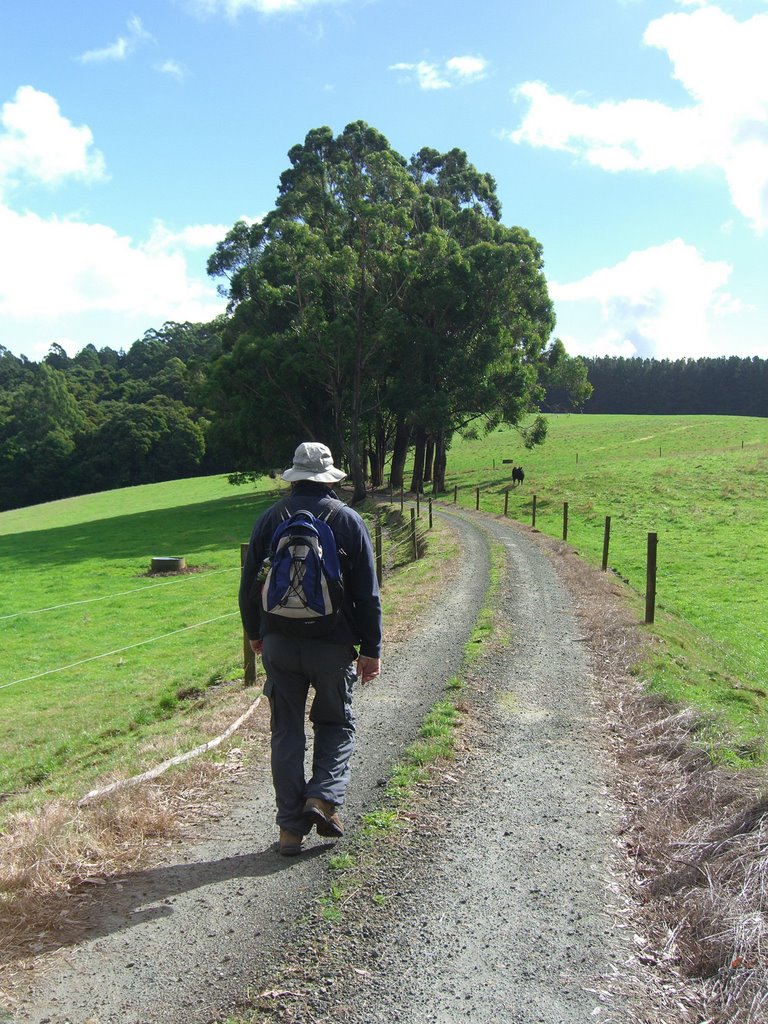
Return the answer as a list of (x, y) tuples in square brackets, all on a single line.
[(368, 668), (256, 646)]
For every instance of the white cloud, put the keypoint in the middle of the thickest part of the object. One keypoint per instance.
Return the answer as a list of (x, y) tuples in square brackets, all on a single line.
[(720, 62), (122, 46), (81, 268), (115, 51), (454, 71), (37, 142), (660, 303), (427, 75), (172, 68), (196, 236), (88, 283), (631, 135), (467, 67)]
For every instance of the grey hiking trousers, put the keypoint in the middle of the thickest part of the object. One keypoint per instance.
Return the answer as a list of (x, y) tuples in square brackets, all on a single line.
[(292, 666)]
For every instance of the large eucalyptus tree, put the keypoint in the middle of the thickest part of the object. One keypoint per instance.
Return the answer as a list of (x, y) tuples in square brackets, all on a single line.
[(376, 291)]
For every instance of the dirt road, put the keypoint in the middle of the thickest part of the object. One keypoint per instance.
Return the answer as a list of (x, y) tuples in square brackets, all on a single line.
[(496, 904)]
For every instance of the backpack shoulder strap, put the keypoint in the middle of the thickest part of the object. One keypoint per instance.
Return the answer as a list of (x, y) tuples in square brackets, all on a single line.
[(336, 506), (283, 509)]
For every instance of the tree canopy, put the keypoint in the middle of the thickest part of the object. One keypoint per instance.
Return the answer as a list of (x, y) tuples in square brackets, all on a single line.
[(379, 299), (104, 419)]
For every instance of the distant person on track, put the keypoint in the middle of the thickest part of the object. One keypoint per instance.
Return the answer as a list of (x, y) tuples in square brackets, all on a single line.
[(329, 663)]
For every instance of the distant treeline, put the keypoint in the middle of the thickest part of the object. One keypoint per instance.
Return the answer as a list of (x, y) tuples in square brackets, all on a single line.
[(107, 418), (726, 386)]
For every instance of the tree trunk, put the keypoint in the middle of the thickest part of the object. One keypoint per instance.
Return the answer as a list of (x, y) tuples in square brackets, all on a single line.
[(377, 451), (429, 459), (399, 453), (357, 475), (420, 441), (438, 485), (373, 459), (356, 463)]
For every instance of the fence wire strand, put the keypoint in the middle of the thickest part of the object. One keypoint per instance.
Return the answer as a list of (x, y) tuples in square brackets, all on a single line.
[(121, 593), (108, 654)]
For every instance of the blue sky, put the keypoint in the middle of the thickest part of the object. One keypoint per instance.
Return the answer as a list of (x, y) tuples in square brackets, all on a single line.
[(629, 136)]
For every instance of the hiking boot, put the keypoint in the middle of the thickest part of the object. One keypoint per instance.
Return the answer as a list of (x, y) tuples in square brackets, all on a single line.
[(324, 817), (290, 843)]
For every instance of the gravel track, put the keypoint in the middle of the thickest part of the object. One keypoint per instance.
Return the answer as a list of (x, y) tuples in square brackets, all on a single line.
[(508, 919), (501, 890)]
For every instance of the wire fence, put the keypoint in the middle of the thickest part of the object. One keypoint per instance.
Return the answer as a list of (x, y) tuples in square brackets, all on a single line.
[(651, 555), (119, 650), (405, 541), (399, 537), (112, 596), (27, 648)]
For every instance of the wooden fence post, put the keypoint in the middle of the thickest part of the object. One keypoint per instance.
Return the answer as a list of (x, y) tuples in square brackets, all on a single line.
[(455, 494), (506, 501), (413, 535), (650, 582), (477, 499), (249, 657), (379, 560), (430, 513), (606, 541), (565, 520), (533, 512)]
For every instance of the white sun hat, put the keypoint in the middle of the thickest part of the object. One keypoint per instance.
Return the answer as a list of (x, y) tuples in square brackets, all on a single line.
[(313, 461)]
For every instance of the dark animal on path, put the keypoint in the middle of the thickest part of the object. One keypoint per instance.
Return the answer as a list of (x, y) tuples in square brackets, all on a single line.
[(517, 475)]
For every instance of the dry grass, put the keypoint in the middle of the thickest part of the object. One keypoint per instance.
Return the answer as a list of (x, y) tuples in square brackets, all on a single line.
[(48, 860), (54, 861), (409, 587), (695, 834)]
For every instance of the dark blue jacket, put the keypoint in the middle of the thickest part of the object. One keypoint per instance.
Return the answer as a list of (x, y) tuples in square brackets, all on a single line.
[(360, 622)]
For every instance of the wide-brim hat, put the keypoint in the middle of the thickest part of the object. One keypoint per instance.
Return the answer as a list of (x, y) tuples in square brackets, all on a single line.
[(313, 461)]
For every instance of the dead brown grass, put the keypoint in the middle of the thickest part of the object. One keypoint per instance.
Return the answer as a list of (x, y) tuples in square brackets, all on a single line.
[(409, 587), (48, 858), (52, 861), (695, 835)]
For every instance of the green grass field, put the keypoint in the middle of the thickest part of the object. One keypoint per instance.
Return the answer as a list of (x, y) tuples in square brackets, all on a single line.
[(701, 483), (105, 670), (75, 588)]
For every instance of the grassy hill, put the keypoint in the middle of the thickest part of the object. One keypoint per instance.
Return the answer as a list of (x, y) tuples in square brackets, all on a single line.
[(701, 483), (105, 669), (75, 588)]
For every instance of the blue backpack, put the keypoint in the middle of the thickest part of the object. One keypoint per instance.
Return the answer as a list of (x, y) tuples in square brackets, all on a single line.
[(304, 588)]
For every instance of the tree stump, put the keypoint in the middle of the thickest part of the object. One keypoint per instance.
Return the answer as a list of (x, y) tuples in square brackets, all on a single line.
[(168, 563)]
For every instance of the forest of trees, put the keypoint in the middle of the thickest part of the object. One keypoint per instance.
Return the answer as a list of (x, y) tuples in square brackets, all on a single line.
[(381, 307), (105, 419), (726, 386)]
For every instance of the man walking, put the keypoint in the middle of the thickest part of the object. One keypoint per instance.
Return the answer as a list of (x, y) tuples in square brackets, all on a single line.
[(329, 663)]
